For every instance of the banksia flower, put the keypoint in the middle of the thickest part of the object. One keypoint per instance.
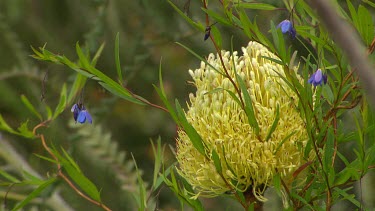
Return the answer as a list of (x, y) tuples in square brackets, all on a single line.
[(248, 160)]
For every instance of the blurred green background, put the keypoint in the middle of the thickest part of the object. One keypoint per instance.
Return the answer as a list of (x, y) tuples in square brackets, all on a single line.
[(148, 32)]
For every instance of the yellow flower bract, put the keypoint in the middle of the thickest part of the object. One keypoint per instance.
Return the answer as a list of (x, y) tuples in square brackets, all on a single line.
[(223, 125)]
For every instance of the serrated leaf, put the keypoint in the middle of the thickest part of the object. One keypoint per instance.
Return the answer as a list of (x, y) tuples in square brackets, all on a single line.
[(193, 135), (30, 106)]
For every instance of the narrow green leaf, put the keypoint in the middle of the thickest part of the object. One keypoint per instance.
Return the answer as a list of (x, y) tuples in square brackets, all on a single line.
[(283, 141), (25, 131), (70, 160), (142, 190), (97, 55), (255, 6), (248, 106), (120, 93), (277, 183), (62, 103), (79, 82), (46, 158), (49, 112), (274, 124), (30, 106), (245, 23), (200, 58), (217, 36), (366, 25), (348, 197), (163, 96), (34, 194), (194, 137), (4, 126), (9, 177), (217, 162), (82, 181), (117, 58), (217, 17), (196, 25)]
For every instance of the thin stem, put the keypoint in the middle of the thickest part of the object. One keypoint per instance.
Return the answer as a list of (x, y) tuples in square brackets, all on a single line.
[(60, 173)]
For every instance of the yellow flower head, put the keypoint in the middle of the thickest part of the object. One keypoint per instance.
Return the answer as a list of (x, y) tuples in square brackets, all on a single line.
[(249, 161)]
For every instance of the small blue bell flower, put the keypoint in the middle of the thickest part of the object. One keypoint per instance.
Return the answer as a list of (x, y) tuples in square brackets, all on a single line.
[(318, 78), (80, 114), (287, 27)]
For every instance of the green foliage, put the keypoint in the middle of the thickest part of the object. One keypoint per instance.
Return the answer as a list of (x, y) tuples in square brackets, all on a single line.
[(331, 166)]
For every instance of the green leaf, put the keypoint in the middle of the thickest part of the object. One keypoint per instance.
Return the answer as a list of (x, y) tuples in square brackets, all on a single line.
[(62, 103), (245, 23), (106, 81), (79, 82), (9, 177), (82, 181), (194, 137), (217, 162), (4, 126), (217, 17), (158, 155), (366, 25), (35, 193), (97, 55), (142, 199), (31, 107), (200, 58), (71, 161), (24, 130), (196, 25), (120, 93), (248, 106), (46, 158), (163, 97), (274, 124), (255, 6), (117, 58), (217, 36)]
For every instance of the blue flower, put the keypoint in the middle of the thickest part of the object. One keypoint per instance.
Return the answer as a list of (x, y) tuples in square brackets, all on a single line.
[(287, 27), (318, 78), (80, 114)]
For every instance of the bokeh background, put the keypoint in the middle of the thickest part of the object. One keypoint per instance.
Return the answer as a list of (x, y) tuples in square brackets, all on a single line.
[(148, 31)]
